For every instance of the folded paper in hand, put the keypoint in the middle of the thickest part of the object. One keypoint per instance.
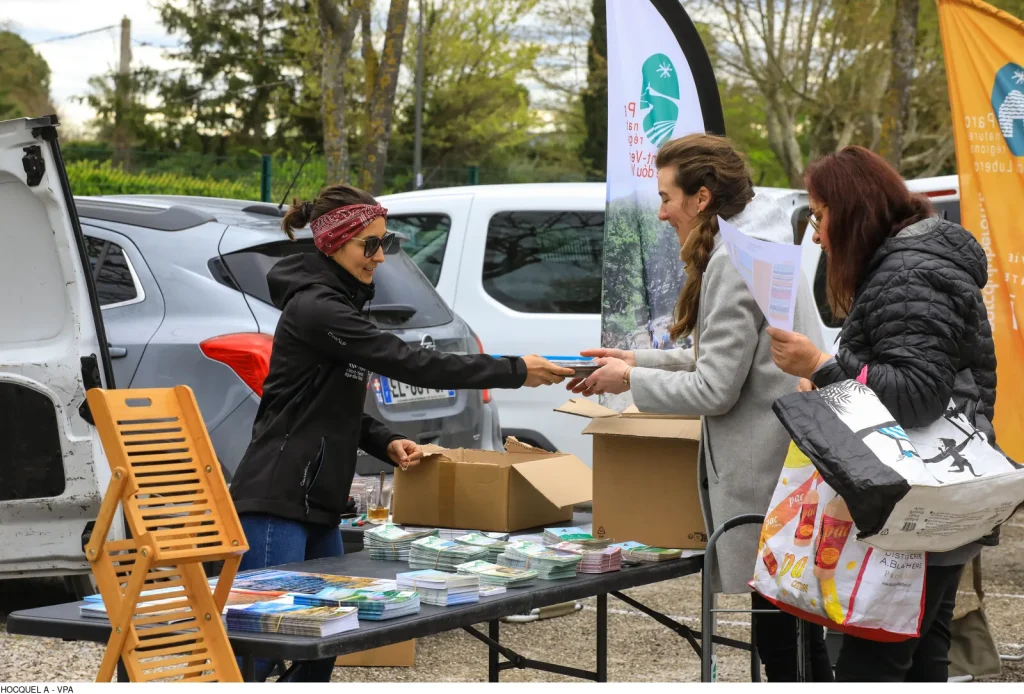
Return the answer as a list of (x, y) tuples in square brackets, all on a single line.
[(770, 270)]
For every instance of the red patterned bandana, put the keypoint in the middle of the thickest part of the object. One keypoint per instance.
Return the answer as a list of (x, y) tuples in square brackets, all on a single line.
[(334, 229)]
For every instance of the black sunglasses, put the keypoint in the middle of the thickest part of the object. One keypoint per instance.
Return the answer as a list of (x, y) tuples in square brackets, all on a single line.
[(372, 243)]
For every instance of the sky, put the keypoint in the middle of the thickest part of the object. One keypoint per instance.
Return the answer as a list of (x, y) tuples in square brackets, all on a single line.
[(72, 62)]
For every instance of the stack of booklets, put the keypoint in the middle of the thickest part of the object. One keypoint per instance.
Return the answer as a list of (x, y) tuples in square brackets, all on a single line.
[(494, 574), (373, 605), (493, 545), (595, 561), (435, 553), (392, 543), (636, 552), (172, 598), (548, 563), (552, 536), (275, 582), (440, 588), (283, 616)]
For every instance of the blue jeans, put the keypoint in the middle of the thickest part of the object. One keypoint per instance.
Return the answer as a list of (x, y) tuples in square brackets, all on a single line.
[(275, 541)]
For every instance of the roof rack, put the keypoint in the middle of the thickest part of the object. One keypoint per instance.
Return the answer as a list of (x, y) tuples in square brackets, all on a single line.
[(173, 218)]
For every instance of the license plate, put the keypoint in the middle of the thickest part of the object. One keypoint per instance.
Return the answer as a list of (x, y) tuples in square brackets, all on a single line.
[(392, 392)]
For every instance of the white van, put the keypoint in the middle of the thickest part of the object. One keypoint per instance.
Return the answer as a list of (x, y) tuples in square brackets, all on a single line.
[(52, 349), (500, 257)]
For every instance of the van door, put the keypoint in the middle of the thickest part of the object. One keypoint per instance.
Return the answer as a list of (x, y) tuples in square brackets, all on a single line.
[(52, 349)]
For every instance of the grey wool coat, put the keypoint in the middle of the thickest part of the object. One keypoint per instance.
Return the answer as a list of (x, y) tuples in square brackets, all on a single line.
[(731, 385)]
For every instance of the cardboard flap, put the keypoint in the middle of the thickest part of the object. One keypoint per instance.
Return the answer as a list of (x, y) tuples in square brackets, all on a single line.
[(514, 445), (656, 427), (564, 480), (435, 452), (581, 407)]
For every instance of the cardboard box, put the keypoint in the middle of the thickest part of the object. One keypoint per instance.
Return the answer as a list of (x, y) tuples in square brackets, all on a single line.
[(645, 476), (396, 655), (524, 487)]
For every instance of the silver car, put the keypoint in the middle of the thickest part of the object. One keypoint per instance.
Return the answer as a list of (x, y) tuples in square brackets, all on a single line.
[(182, 283)]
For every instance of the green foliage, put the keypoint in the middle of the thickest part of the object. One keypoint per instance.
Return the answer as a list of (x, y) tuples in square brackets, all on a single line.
[(474, 107), (24, 79), (594, 149), (92, 178)]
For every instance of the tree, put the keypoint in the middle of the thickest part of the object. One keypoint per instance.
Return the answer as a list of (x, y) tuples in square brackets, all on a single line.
[(24, 79), (594, 150), (235, 75), (475, 109), (113, 95), (337, 31), (897, 97), (381, 87)]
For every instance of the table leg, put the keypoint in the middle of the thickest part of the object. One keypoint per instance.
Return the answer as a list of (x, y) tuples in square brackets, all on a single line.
[(492, 654), (248, 668), (602, 637), (122, 671), (755, 659)]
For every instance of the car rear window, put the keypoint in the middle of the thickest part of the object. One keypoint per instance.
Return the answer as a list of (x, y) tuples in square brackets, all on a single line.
[(404, 298)]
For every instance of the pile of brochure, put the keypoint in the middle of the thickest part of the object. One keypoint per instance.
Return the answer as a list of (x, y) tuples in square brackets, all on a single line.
[(392, 543), (553, 536), (494, 574), (283, 616), (440, 588), (493, 545), (595, 561), (548, 563), (435, 553), (373, 605), (636, 552)]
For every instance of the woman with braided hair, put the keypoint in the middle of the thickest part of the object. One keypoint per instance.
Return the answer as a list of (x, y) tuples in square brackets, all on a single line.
[(292, 484), (727, 378)]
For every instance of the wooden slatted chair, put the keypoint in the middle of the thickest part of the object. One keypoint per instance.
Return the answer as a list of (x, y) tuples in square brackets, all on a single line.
[(166, 478)]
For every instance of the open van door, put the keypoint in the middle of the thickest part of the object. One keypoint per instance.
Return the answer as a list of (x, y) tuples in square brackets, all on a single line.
[(52, 349)]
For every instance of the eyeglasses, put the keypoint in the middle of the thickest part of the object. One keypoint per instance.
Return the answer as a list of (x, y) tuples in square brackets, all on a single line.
[(814, 220), (372, 243)]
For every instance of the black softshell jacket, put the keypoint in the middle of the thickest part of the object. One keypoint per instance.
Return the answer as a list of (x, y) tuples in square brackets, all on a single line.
[(302, 457)]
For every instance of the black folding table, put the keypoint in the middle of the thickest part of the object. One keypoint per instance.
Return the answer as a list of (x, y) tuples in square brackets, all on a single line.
[(65, 622)]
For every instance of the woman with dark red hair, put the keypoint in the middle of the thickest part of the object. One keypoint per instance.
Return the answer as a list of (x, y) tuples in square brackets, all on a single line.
[(292, 484), (908, 284)]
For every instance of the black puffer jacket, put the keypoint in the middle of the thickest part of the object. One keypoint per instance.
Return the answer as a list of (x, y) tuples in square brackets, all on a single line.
[(919, 322), (310, 422), (920, 325)]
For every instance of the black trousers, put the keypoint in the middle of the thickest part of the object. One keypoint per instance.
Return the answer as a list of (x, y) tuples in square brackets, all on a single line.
[(924, 659), (775, 637)]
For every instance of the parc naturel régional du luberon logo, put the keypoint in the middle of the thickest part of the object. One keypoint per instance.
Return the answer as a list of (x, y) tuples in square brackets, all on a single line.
[(659, 94), (1008, 104)]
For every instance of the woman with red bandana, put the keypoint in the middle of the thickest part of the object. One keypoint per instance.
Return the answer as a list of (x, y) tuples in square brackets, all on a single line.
[(293, 482)]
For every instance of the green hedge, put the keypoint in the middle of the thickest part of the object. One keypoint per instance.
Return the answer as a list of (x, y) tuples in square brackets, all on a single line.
[(95, 178)]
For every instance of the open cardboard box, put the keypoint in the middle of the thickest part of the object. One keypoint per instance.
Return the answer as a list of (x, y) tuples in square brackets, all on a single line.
[(524, 487), (396, 655), (645, 475)]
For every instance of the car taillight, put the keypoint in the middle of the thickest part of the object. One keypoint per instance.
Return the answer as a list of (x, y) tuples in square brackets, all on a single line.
[(248, 355), (486, 393)]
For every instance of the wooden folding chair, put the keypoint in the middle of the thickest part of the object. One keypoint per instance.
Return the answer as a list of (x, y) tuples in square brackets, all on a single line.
[(168, 482)]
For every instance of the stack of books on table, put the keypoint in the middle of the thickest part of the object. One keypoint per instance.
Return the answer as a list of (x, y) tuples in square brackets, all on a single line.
[(493, 545), (373, 605), (553, 536), (494, 574), (595, 561), (635, 553), (173, 599), (440, 588), (548, 563), (283, 616), (435, 553), (392, 543), (275, 582)]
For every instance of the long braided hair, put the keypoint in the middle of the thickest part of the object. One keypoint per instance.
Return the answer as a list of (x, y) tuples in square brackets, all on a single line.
[(702, 160)]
